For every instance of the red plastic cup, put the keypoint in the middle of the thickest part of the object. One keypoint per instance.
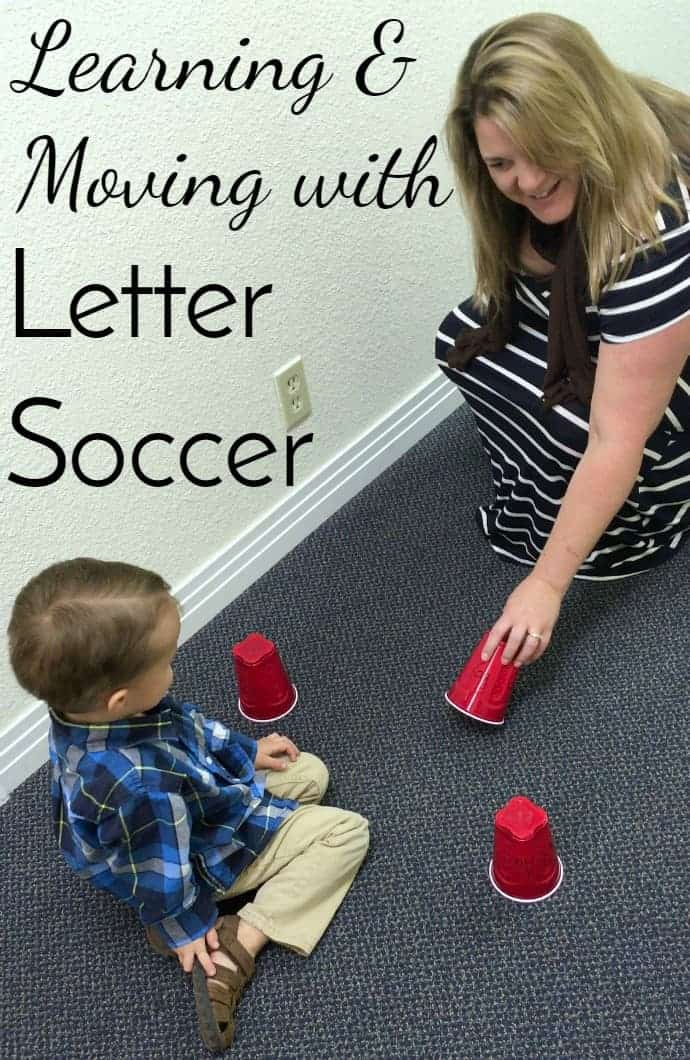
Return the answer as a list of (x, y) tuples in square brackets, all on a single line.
[(525, 867), (482, 690), (265, 690)]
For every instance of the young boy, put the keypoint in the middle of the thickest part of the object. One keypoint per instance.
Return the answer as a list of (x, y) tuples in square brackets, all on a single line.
[(164, 808)]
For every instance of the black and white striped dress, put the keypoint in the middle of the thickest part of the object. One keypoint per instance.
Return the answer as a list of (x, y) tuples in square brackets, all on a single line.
[(533, 451)]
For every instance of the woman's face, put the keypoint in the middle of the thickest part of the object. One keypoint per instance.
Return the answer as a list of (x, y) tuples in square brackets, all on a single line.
[(522, 181)]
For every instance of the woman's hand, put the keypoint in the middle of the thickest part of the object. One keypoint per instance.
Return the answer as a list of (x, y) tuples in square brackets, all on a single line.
[(532, 607), (271, 751)]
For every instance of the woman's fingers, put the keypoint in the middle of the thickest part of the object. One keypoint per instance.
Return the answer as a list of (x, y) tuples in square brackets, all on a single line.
[(527, 622), (520, 648), (530, 651), (513, 645), (531, 648), (496, 635)]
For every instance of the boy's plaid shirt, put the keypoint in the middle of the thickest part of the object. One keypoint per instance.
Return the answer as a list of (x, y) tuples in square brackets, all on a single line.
[(161, 809)]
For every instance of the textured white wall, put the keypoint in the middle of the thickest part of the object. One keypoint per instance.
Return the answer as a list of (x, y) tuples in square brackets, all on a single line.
[(357, 292)]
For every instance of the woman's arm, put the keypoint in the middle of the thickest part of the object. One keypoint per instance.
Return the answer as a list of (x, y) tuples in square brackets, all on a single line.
[(633, 384), (600, 484)]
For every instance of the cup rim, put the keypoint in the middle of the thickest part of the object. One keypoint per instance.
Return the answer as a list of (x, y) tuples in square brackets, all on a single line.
[(527, 901), (474, 717), (276, 717)]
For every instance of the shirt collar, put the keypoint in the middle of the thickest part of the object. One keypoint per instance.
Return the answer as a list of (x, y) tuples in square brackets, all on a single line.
[(151, 725)]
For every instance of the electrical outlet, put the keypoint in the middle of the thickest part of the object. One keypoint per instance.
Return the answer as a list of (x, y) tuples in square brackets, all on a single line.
[(293, 393)]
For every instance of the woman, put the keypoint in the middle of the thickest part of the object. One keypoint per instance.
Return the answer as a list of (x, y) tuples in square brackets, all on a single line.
[(572, 353)]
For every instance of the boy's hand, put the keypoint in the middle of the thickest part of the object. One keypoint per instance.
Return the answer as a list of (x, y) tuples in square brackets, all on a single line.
[(197, 949), (271, 751)]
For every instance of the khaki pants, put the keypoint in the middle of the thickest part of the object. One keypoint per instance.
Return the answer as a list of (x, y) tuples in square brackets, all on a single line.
[(306, 869)]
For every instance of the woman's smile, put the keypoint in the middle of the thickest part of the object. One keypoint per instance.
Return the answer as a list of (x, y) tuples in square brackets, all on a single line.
[(549, 196)]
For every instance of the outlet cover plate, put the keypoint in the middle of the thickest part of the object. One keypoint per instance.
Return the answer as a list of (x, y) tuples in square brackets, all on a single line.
[(293, 392)]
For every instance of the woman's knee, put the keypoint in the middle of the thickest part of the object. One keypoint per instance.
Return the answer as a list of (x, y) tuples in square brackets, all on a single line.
[(445, 337), (460, 319)]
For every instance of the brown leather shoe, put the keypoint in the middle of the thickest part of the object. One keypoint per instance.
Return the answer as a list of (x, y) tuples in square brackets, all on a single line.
[(217, 996)]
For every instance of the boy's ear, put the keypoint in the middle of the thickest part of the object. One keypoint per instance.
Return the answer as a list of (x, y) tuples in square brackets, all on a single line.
[(116, 700)]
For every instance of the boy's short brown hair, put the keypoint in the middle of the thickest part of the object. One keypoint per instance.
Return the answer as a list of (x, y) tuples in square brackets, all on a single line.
[(82, 628)]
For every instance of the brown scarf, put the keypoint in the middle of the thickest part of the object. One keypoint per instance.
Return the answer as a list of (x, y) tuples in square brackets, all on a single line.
[(569, 371)]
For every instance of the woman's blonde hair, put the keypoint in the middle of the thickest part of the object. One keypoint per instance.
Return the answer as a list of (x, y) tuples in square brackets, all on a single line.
[(82, 628), (547, 83)]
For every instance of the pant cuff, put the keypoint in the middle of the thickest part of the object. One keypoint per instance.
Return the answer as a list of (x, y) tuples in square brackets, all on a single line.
[(264, 924)]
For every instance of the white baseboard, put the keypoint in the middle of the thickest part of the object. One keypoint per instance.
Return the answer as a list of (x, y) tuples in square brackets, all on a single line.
[(25, 743)]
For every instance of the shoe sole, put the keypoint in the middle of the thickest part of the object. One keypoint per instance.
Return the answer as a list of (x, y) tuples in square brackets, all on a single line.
[(207, 1021)]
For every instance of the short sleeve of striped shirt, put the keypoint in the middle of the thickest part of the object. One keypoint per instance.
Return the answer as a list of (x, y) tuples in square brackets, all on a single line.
[(656, 291)]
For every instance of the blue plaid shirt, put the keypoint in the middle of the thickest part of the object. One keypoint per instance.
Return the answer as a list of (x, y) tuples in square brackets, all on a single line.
[(161, 809)]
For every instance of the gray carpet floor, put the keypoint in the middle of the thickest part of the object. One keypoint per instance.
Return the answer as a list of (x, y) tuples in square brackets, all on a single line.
[(374, 614)]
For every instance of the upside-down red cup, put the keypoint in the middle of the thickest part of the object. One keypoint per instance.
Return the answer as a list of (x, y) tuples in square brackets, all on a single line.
[(482, 689), (265, 690), (525, 866)]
